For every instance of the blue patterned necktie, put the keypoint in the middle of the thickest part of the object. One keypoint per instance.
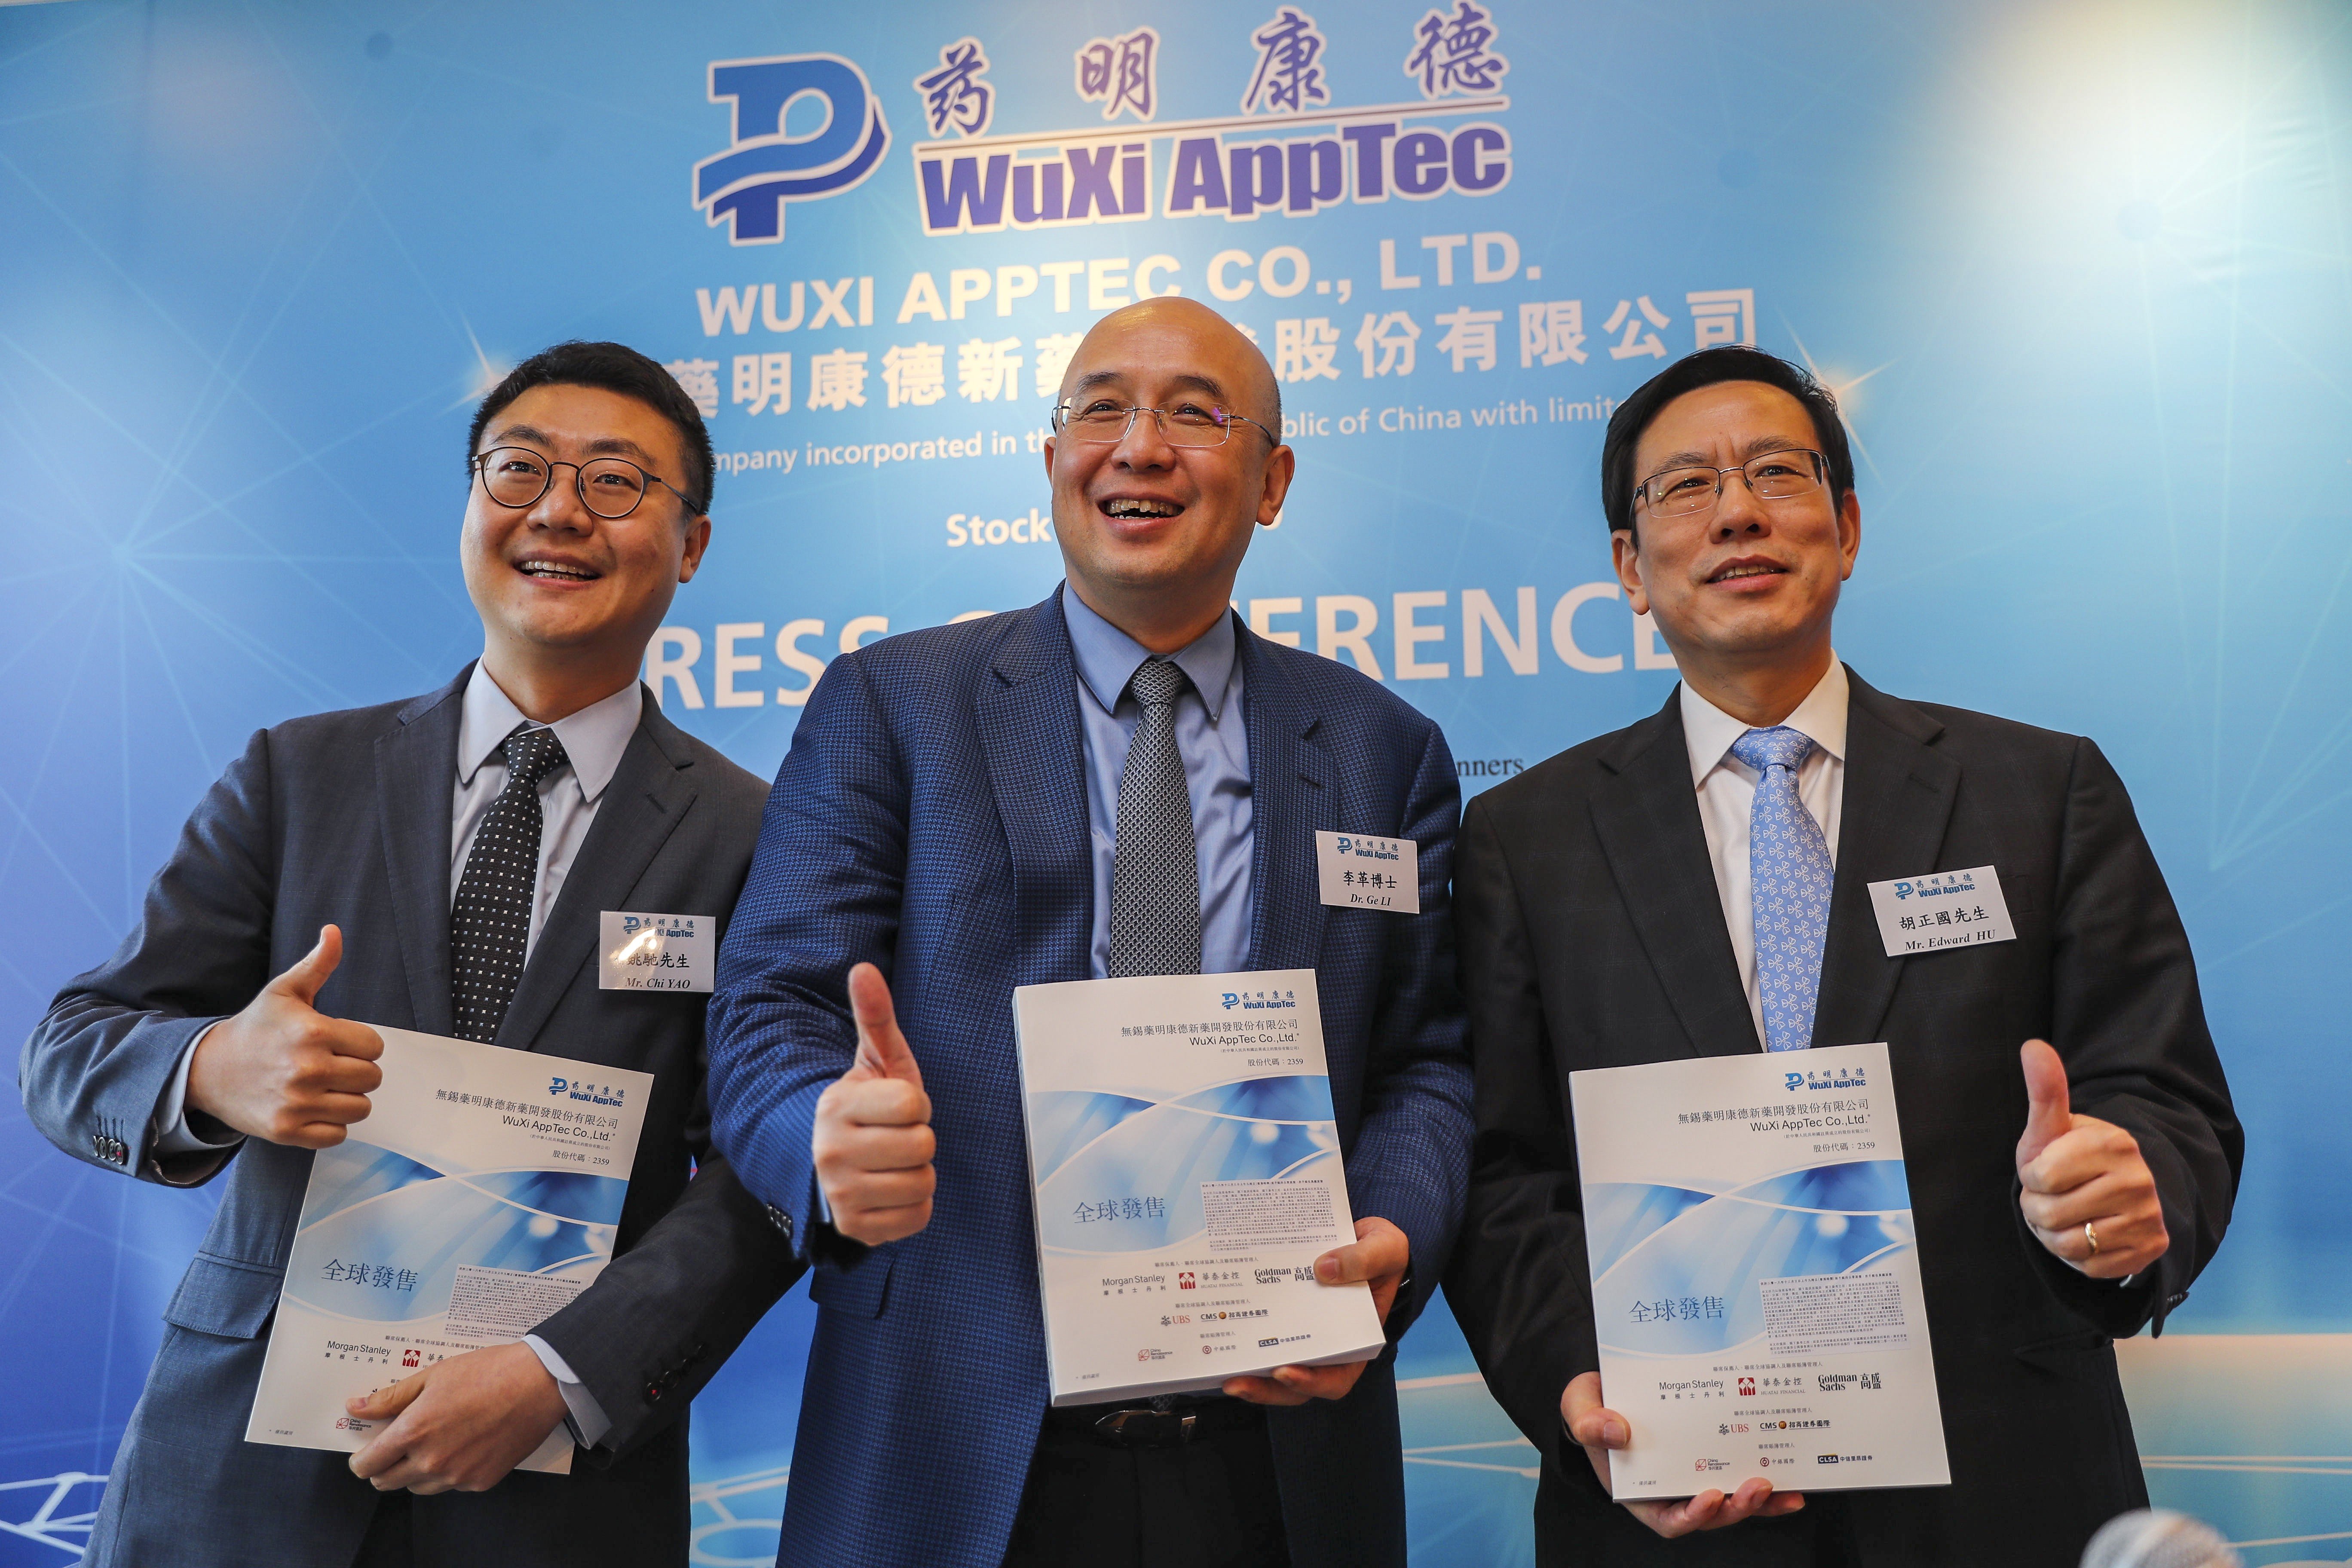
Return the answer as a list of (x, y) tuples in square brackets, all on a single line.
[(1789, 875)]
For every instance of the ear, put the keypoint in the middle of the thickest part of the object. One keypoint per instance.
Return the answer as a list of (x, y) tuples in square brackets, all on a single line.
[(1849, 532), (697, 540), (1625, 554), (1281, 468)]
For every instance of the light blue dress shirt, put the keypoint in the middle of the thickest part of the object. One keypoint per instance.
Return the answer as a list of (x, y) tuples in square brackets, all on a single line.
[(1212, 733)]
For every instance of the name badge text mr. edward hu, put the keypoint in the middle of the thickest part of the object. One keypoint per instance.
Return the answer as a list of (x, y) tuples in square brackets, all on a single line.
[(1942, 911)]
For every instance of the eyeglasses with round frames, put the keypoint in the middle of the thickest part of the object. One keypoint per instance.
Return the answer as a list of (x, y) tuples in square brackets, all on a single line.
[(1770, 476), (611, 487), (1186, 424)]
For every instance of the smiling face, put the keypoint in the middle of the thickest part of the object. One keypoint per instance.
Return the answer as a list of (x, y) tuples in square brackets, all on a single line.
[(1751, 585), (568, 599), (1152, 534)]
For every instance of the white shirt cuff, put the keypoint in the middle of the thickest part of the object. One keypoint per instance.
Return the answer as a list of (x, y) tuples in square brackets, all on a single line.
[(586, 1418), (172, 1134)]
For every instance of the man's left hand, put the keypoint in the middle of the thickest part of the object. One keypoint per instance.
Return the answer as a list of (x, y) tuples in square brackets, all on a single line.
[(461, 1424), (2084, 1177), (1378, 1257)]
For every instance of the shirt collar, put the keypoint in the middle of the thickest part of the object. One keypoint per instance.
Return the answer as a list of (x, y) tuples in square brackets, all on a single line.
[(1109, 658), (593, 738), (1709, 732)]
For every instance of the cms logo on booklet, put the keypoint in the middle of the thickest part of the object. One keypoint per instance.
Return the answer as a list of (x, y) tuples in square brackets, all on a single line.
[(748, 184)]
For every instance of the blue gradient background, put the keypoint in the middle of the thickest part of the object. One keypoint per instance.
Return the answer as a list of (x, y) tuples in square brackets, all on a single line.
[(2084, 268)]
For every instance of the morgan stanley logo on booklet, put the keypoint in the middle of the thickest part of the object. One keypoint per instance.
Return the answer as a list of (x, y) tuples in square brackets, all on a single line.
[(750, 183)]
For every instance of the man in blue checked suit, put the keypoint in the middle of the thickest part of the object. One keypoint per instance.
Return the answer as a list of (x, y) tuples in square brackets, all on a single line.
[(1120, 780)]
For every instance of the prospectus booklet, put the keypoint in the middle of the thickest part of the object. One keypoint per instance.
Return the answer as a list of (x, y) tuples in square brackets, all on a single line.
[(478, 1197), (1755, 1274), (1186, 1168)]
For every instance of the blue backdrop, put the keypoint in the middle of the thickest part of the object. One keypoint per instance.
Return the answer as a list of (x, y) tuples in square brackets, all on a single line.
[(2080, 271)]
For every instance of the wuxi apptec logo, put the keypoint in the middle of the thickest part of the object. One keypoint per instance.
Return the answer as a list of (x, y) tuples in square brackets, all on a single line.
[(1291, 148), (748, 185)]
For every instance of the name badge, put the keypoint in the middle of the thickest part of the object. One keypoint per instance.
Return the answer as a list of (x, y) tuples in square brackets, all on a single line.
[(656, 952), (1359, 872), (1943, 910)]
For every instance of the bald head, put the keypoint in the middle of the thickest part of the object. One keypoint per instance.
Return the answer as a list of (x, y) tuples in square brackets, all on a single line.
[(1152, 530), (1170, 331)]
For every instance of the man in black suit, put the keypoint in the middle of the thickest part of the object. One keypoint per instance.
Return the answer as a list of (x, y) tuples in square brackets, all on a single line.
[(1609, 914), (314, 892)]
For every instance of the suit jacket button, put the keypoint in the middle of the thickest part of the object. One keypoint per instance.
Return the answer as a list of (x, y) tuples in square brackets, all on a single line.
[(781, 1220), (653, 1393)]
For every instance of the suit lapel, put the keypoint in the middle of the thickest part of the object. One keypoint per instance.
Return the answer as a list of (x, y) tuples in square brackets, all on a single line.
[(415, 788), (647, 797), (1292, 799), (1646, 814), (1027, 720), (1899, 791)]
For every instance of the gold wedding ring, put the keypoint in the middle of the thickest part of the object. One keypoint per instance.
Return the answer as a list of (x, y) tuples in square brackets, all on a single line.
[(2092, 1237)]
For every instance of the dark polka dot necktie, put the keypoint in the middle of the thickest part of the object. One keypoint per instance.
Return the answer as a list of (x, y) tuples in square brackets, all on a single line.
[(490, 929), (1155, 875)]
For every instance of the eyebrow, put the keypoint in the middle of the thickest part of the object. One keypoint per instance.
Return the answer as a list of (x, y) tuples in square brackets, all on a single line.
[(1094, 379), (1754, 450), (619, 445)]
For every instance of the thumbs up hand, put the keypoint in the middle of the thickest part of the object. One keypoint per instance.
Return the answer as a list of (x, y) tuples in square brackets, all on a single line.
[(2088, 1195), (873, 1143), (281, 1069)]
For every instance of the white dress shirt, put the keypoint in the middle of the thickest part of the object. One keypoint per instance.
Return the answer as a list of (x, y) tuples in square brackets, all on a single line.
[(593, 739), (1727, 800)]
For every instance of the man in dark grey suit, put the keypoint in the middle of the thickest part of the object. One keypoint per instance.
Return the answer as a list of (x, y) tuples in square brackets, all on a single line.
[(314, 892), (1698, 884)]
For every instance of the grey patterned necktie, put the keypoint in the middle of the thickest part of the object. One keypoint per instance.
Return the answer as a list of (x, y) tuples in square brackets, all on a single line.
[(1155, 869), (1155, 876), (490, 929)]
